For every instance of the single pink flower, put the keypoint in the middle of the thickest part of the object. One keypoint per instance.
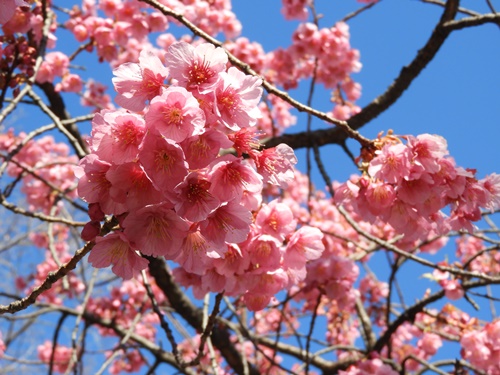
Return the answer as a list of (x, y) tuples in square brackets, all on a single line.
[(197, 67), (137, 83), (193, 200), (176, 114), (115, 249), (156, 230), (233, 262), (163, 160), (228, 223), (491, 183), (276, 165), (391, 164), (230, 177), (276, 219), (131, 186), (122, 136), (195, 252), (304, 245), (452, 289), (237, 97), (264, 253), (201, 150), (426, 150), (379, 197), (94, 186)]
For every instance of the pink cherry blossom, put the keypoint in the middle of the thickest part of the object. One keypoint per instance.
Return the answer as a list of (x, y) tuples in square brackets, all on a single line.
[(138, 82), (427, 149), (116, 250), (175, 114), (264, 253), (276, 165), (492, 184), (163, 160), (230, 177), (237, 96), (122, 135), (94, 186), (70, 83), (228, 223), (295, 9), (196, 68), (9, 8), (201, 150), (196, 250), (391, 164), (55, 65), (156, 230), (60, 356), (131, 186), (193, 201), (304, 245), (276, 219), (430, 343)]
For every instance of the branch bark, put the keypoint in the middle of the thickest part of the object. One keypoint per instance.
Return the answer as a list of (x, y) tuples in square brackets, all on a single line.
[(194, 316)]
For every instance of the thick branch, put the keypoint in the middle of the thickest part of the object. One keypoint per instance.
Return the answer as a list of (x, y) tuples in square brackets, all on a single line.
[(194, 316), (385, 100)]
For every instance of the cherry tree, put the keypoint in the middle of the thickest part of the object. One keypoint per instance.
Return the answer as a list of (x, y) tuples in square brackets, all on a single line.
[(157, 219)]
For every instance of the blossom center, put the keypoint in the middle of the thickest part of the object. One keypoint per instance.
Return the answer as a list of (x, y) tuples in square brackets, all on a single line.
[(197, 191), (173, 115), (200, 73)]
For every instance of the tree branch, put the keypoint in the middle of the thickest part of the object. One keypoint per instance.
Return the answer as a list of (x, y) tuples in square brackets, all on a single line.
[(407, 75), (194, 316)]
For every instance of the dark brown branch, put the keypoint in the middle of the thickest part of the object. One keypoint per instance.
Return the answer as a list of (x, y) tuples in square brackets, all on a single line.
[(407, 75), (194, 316)]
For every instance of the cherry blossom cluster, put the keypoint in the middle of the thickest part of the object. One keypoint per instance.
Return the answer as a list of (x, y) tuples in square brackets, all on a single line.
[(56, 253), (59, 357), (408, 184), (122, 31), (411, 340), (482, 347), (369, 367), (295, 9), (22, 19), (56, 64), (156, 164), (473, 252), (44, 166)]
